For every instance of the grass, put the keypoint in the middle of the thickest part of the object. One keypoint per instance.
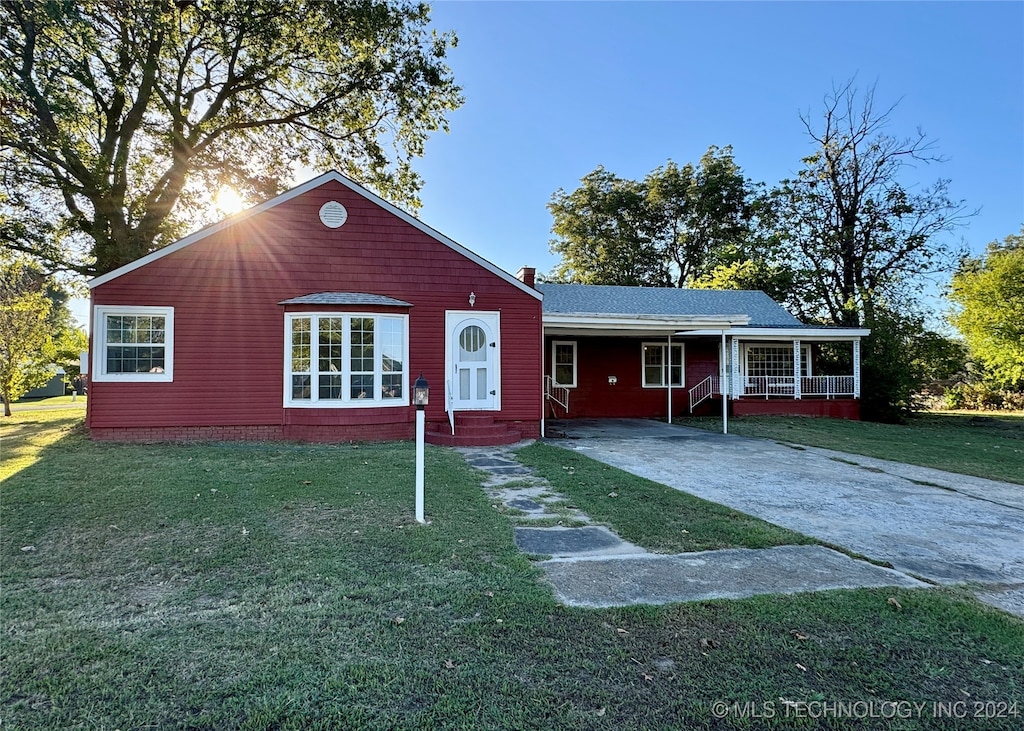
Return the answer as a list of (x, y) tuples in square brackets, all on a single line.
[(278, 586), (648, 513), (990, 446), (24, 435)]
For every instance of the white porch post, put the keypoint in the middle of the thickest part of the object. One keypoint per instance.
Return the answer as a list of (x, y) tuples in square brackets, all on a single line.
[(722, 387), (735, 384), (796, 369), (856, 368), (669, 379)]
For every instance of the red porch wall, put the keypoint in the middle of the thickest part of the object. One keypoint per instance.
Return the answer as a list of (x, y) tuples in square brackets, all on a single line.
[(597, 358), (834, 408), (229, 329)]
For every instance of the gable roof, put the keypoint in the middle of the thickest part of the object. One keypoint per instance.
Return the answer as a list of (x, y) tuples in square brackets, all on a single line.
[(741, 307), (330, 176)]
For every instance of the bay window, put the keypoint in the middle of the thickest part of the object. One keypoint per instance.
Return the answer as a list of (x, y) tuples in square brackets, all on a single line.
[(345, 360)]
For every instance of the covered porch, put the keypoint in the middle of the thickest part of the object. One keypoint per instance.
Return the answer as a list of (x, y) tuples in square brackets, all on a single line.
[(780, 371), (673, 373)]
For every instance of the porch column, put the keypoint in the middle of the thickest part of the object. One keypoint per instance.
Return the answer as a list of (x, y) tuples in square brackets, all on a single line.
[(734, 386), (669, 379), (722, 388), (796, 369), (856, 368)]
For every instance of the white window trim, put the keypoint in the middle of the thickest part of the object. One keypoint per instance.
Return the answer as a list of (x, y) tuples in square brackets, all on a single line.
[(554, 363), (348, 403), (805, 355), (682, 364), (99, 344)]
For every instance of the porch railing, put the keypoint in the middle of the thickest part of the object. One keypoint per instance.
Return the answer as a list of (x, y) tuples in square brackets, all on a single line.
[(557, 394), (814, 386), (703, 391)]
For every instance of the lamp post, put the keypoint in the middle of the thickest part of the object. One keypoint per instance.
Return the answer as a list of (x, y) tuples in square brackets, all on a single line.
[(420, 398)]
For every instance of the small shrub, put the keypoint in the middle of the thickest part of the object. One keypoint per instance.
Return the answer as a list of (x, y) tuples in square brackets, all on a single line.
[(983, 397)]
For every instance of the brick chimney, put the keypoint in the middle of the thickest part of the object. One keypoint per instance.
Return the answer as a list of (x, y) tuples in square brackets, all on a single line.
[(527, 275)]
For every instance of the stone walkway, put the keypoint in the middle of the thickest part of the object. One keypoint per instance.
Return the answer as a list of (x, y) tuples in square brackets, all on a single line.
[(590, 566)]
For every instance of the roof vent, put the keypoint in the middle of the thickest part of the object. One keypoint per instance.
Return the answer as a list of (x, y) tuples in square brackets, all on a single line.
[(333, 214)]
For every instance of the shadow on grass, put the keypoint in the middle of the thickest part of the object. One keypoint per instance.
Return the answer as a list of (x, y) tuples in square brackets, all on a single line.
[(252, 586)]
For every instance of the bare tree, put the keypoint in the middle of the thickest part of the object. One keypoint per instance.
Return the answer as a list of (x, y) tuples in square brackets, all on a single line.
[(857, 231)]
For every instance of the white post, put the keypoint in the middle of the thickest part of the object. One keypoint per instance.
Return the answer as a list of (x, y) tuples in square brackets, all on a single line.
[(796, 370), (725, 399), (420, 420), (669, 379), (734, 360), (856, 368)]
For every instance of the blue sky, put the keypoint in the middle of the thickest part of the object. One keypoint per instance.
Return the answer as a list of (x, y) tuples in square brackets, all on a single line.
[(554, 89)]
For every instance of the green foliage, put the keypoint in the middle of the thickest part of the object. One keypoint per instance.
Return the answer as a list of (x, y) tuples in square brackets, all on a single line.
[(989, 291), (123, 119), (982, 396), (899, 359), (601, 234), (774, 280), (670, 229), (27, 349)]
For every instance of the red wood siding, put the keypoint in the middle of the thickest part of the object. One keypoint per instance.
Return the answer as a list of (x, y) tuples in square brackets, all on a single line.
[(840, 408), (229, 330), (599, 357)]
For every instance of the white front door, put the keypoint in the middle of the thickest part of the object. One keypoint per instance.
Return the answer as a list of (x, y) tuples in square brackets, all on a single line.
[(473, 361)]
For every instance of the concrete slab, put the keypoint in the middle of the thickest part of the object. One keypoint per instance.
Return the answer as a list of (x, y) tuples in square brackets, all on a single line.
[(591, 540), (728, 574), (967, 530)]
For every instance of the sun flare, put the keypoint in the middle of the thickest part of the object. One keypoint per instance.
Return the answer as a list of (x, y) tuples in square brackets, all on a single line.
[(228, 201)]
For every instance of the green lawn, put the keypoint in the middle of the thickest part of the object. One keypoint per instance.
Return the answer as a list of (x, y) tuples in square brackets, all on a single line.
[(280, 586), (987, 445)]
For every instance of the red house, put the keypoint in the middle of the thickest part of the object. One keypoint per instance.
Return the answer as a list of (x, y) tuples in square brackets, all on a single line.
[(307, 318), (645, 352)]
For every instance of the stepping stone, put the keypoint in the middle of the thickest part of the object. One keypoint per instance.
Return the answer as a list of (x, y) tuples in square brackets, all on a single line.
[(588, 541), (524, 504), (728, 574)]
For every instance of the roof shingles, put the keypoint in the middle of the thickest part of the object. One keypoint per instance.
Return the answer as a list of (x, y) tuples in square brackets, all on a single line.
[(599, 299)]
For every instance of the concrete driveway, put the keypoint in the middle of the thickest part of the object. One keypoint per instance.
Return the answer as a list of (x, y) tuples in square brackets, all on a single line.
[(938, 526)]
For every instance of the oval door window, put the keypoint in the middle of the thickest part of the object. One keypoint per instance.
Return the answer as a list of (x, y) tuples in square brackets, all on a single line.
[(473, 344)]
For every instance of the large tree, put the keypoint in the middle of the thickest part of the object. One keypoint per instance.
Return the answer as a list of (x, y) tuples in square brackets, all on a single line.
[(600, 231), (861, 239), (121, 120), (858, 231), (989, 292), (670, 229)]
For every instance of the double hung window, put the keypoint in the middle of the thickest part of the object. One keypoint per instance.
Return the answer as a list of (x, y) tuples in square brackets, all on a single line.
[(133, 344), (563, 363), (658, 369)]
